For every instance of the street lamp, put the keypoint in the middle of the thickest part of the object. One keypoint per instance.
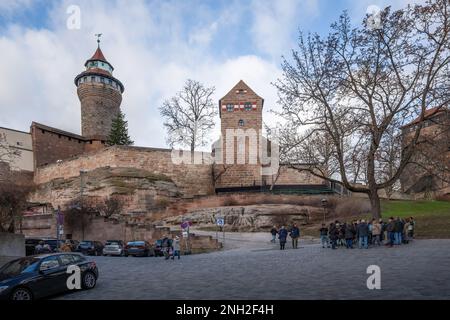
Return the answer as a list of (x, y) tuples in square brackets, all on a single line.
[(324, 205)]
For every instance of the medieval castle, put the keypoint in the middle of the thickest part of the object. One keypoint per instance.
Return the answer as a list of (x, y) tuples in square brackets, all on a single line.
[(64, 165), (53, 153)]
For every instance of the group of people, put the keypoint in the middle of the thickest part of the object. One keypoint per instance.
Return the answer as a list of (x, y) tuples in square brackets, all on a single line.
[(42, 247), (376, 232), (171, 247), (283, 233), (358, 232)]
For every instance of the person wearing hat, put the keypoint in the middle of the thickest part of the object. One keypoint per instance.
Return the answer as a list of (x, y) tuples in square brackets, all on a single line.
[(176, 247)]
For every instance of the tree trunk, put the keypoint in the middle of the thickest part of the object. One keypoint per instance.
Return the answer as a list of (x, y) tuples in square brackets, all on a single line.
[(375, 206)]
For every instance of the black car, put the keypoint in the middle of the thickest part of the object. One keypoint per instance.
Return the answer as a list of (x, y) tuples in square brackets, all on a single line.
[(92, 248), (44, 275)]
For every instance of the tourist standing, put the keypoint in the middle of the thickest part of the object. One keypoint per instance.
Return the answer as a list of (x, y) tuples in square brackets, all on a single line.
[(274, 232), (390, 230), (324, 236), (166, 247), (176, 247), (349, 234), (398, 229), (334, 234), (376, 232), (363, 234), (282, 236), (383, 230), (411, 227), (295, 234)]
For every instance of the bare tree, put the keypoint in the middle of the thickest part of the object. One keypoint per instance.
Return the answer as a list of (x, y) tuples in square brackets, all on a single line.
[(13, 201), (110, 207), (189, 115), (79, 213), (359, 83)]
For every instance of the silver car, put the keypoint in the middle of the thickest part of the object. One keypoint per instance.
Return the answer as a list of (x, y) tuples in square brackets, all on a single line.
[(113, 248)]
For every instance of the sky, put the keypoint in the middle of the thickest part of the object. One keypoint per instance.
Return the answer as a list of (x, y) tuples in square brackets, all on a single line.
[(154, 47)]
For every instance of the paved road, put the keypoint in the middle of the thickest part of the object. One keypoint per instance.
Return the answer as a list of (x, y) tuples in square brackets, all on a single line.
[(420, 270)]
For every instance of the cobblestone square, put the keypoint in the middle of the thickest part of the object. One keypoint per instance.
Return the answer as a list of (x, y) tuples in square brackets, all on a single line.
[(419, 270)]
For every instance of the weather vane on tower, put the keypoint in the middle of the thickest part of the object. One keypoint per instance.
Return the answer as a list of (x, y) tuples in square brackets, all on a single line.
[(98, 35)]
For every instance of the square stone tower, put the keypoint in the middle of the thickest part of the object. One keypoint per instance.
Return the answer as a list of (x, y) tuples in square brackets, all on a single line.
[(238, 148)]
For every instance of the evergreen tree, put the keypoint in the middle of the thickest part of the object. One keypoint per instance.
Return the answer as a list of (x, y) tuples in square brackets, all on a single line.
[(119, 132)]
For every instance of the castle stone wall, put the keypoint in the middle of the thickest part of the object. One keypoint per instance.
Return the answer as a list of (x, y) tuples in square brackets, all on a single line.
[(50, 145), (192, 180)]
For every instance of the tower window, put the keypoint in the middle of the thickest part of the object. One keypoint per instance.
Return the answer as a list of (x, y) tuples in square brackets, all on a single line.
[(93, 79), (241, 123), (102, 80), (110, 82), (248, 106), (230, 107)]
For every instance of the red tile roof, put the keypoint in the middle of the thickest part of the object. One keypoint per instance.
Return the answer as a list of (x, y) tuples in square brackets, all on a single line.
[(98, 55)]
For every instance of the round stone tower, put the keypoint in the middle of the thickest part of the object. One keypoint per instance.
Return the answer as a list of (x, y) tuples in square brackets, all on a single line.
[(100, 95)]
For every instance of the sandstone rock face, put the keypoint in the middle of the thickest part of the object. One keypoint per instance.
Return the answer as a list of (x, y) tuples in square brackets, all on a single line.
[(141, 190), (248, 218)]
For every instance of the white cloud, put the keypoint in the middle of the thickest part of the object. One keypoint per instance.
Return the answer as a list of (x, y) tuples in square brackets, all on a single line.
[(152, 54), (276, 21)]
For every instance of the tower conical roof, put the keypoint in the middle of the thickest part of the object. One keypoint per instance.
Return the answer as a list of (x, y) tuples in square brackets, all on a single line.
[(98, 55)]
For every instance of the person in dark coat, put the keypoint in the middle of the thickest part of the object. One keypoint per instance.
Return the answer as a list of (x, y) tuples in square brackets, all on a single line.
[(295, 234), (390, 228), (324, 236), (334, 235), (398, 229), (349, 235), (341, 240), (274, 232), (282, 236), (383, 230), (363, 234)]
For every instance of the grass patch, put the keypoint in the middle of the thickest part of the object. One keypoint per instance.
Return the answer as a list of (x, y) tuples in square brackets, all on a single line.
[(407, 209), (432, 217)]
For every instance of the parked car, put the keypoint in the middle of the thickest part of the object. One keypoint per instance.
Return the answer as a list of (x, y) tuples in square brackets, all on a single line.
[(89, 247), (113, 248), (43, 275), (139, 248), (30, 245), (158, 248)]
